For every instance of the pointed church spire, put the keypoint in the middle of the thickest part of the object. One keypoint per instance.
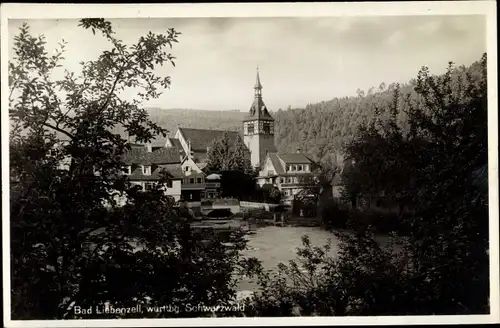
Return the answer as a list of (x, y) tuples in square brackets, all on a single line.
[(257, 82), (258, 109)]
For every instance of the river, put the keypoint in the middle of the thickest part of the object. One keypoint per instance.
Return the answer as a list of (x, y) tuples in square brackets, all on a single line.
[(274, 244)]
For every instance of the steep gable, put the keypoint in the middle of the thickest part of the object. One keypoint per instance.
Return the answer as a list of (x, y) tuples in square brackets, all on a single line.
[(278, 167)]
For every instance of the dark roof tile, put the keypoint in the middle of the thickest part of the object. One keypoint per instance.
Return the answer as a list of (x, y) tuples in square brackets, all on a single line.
[(276, 163), (295, 158), (174, 169), (141, 156), (201, 139)]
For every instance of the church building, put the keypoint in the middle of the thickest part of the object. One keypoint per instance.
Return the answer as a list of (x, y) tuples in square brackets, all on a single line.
[(290, 173), (258, 128)]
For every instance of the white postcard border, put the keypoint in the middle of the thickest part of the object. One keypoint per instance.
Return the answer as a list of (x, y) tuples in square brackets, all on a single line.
[(75, 11)]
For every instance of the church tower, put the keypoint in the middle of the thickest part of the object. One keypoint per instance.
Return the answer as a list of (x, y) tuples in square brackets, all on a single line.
[(258, 128)]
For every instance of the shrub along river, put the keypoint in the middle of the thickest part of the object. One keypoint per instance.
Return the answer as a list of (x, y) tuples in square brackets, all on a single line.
[(274, 243)]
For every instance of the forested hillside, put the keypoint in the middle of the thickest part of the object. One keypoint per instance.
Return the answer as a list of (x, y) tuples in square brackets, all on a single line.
[(196, 118), (319, 129)]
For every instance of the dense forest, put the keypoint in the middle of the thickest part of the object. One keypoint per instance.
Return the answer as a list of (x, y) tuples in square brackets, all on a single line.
[(322, 128)]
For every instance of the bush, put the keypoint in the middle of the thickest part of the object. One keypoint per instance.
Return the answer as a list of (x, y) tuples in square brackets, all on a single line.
[(334, 215)]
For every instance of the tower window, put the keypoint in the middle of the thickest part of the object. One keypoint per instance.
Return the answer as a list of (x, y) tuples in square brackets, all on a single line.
[(266, 127), (250, 128)]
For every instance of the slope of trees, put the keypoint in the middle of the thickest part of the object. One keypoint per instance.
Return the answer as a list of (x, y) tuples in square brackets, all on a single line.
[(71, 245)]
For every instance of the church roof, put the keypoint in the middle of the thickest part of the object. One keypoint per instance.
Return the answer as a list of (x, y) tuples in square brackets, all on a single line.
[(258, 110), (201, 139)]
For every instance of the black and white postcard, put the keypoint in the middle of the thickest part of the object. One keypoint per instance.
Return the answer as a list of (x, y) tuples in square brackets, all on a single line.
[(249, 164)]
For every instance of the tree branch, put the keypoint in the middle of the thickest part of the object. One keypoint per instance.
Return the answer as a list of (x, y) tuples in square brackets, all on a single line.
[(118, 76), (58, 129)]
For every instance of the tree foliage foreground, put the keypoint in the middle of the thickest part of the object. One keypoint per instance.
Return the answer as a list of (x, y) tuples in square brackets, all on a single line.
[(72, 246)]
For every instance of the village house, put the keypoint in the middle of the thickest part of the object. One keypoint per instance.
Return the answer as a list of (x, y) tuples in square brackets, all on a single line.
[(196, 143), (193, 183), (144, 167), (290, 173)]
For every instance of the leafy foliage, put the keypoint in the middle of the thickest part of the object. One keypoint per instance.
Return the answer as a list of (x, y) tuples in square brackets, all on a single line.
[(224, 156), (71, 243)]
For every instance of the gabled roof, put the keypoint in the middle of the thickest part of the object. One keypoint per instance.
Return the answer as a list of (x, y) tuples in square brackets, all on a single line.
[(175, 142), (201, 139), (278, 160), (295, 158), (276, 163), (141, 156), (174, 169), (137, 156)]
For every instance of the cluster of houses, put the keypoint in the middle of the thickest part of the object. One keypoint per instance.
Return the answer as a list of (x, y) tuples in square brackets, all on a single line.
[(184, 157)]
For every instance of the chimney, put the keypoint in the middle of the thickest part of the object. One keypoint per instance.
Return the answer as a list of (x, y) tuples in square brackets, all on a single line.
[(149, 147), (168, 134), (189, 147)]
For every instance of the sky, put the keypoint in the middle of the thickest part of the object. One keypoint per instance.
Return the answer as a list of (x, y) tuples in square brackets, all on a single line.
[(300, 60)]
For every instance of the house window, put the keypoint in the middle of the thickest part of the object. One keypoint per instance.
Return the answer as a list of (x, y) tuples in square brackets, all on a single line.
[(306, 167), (187, 168), (288, 167), (295, 167), (270, 172), (282, 180), (199, 180), (266, 127), (191, 180), (148, 186), (250, 128), (169, 183), (146, 169), (289, 180), (127, 170), (300, 167)]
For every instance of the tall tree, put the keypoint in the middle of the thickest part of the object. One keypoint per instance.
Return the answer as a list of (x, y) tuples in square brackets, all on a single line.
[(240, 158), (219, 155), (224, 156), (71, 244)]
